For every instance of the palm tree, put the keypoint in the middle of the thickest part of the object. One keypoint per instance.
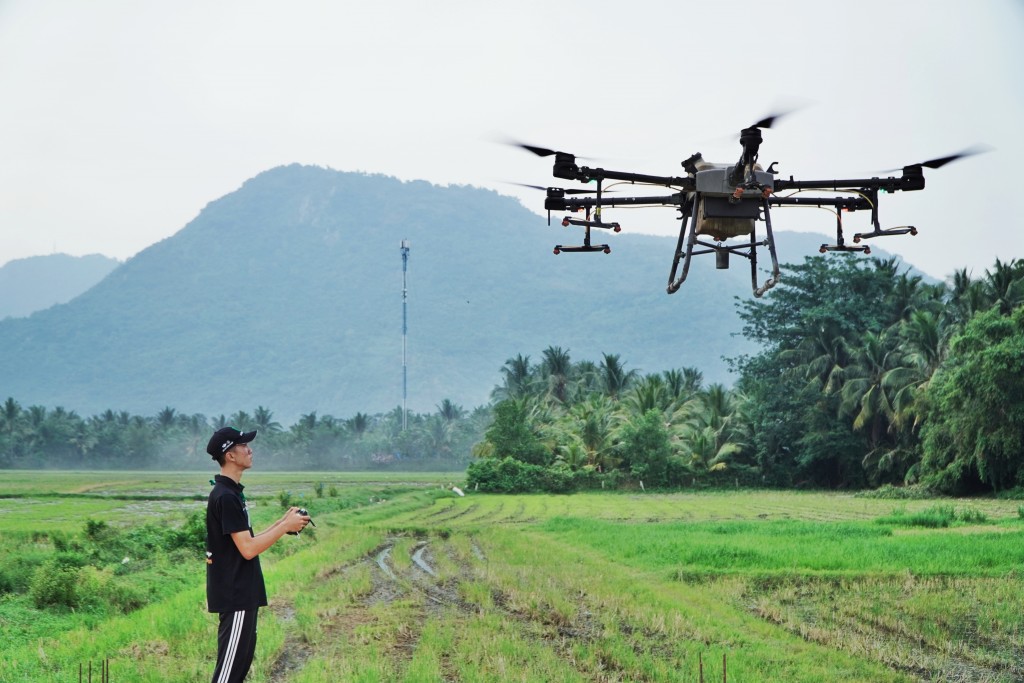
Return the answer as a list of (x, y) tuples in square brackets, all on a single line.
[(715, 430), (586, 377), (1003, 286), (593, 423), (241, 420), (517, 376), (820, 358), (450, 412), (615, 379), (649, 394), (165, 419), (557, 368), (306, 422), (358, 424), (263, 421), (10, 412), (880, 395), (682, 385)]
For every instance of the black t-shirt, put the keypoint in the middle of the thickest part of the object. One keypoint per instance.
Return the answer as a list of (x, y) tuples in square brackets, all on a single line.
[(233, 583)]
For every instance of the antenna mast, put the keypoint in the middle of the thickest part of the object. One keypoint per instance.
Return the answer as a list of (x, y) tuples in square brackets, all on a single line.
[(405, 382)]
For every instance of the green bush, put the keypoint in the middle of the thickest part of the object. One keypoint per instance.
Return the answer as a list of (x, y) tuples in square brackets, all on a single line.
[(509, 475), (54, 585), (890, 492), (191, 535), (101, 588), (96, 529)]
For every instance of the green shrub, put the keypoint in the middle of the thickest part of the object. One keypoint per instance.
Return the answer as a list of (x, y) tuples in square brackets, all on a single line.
[(101, 588), (890, 492), (191, 535), (95, 529), (509, 475), (54, 585)]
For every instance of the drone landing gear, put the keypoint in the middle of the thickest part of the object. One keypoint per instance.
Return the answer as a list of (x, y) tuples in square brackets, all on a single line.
[(720, 250), (587, 224), (878, 232), (559, 248)]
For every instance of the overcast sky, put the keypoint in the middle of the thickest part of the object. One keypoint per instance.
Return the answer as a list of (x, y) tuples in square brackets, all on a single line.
[(121, 119)]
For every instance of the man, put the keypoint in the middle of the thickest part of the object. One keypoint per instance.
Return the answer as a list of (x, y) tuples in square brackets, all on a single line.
[(234, 579)]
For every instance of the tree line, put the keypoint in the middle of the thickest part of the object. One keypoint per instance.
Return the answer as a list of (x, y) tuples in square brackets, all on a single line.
[(37, 437), (868, 375)]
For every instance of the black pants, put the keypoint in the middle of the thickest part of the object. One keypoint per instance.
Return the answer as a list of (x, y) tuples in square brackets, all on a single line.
[(236, 645)]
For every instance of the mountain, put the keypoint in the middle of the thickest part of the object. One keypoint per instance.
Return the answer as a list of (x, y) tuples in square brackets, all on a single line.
[(31, 284), (287, 294)]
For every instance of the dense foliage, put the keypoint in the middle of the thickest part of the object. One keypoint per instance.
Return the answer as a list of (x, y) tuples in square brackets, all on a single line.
[(869, 372), (868, 376)]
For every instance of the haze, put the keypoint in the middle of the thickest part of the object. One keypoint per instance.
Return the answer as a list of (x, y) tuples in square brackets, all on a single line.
[(121, 119)]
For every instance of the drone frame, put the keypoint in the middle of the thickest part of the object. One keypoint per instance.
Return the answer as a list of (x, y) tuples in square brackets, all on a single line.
[(744, 191)]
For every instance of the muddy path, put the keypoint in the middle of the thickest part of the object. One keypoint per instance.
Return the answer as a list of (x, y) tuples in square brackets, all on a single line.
[(427, 585)]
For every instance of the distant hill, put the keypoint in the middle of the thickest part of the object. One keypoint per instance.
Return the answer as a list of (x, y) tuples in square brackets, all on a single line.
[(31, 284), (287, 293)]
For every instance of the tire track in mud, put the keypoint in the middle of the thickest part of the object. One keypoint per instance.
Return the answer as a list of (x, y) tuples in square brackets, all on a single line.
[(423, 592), (916, 657), (294, 652)]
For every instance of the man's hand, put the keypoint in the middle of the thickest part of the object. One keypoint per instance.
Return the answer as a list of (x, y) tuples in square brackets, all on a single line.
[(250, 546), (294, 521)]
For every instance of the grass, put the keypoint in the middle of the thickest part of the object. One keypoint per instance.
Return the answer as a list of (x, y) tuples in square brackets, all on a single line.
[(592, 587)]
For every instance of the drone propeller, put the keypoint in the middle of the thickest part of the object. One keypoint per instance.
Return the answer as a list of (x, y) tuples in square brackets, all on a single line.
[(540, 151), (769, 121), (939, 162), (569, 191)]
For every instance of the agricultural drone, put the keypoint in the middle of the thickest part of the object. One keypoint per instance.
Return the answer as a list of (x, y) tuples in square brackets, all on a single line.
[(720, 202)]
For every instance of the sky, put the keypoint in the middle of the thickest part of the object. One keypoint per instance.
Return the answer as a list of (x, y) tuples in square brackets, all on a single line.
[(122, 119)]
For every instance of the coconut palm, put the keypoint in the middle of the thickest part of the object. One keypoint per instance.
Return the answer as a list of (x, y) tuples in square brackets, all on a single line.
[(557, 369), (615, 379), (517, 379), (450, 412), (358, 424), (263, 421), (593, 423)]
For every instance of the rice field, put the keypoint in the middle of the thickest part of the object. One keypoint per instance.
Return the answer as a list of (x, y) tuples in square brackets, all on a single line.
[(404, 580)]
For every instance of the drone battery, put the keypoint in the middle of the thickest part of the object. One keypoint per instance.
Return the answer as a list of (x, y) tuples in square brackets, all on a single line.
[(717, 180)]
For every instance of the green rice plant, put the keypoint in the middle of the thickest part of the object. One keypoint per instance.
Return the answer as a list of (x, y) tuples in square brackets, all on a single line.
[(935, 517), (971, 515), (793, 587)]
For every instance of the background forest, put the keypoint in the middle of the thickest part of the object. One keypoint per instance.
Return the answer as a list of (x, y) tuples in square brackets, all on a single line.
[(868, 375)]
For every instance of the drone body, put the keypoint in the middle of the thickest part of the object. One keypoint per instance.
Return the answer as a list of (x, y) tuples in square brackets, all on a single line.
[(720, 205)]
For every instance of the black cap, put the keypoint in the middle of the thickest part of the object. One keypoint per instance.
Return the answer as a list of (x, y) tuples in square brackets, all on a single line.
[(225, 438)]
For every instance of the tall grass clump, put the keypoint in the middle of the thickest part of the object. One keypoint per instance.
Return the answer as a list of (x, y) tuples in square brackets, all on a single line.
[(935, 517)]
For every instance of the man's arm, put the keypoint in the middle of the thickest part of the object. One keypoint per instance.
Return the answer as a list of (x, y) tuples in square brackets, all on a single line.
[(250, 546)]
